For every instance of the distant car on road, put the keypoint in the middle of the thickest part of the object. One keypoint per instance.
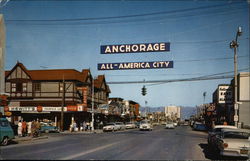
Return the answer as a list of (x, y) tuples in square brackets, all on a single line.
[(145, 125), (215, 131), (199, 126), (170, 125), (130, 125), (48, 127), (120, 125), (6, 132), (110, 127), (233, 142)]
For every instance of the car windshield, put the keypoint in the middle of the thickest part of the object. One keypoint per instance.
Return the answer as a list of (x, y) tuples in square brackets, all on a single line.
[(236, 135), (110, 124), (144, 122)]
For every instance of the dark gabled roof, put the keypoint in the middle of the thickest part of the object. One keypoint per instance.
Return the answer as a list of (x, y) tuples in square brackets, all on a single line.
[(53, 74)]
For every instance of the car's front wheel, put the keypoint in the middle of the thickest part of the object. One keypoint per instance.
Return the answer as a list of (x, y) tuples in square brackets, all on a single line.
[(5, 141)]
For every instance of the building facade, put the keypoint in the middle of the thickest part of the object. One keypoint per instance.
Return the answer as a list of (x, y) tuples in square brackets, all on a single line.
[(243, 96), (173, 113), (46, 94), (223, 101)]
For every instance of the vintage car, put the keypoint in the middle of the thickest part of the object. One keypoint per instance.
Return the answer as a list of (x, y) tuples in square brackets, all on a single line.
[(110, 127), (6, 132), (48, 127), (233, 142), (198, 126), (215, 131), (120, 125), (130, 125), (170, 125), (145, 125)]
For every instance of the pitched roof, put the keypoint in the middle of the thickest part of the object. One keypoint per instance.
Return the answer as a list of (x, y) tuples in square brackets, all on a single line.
[(53, 74)]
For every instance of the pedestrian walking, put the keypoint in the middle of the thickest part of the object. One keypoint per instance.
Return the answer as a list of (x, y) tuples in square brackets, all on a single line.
[(29, 128), (74, 126), (87, 124), (84, 126), (24, 128), (19, 129), (33, 127)]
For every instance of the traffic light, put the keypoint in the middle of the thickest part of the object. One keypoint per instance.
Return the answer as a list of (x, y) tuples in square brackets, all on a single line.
[(144, 91)]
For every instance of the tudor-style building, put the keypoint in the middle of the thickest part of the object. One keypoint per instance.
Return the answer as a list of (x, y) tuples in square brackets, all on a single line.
[(38, 94)]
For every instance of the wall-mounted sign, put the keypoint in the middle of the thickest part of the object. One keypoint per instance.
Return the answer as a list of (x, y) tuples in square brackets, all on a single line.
[(135, 48), (135, 65)]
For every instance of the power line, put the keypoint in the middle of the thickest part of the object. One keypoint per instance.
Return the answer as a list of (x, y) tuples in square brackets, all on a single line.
[(206, 77), (118, 17)]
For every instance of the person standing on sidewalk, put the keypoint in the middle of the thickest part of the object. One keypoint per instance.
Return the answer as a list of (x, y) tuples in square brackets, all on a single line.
[(84, 126), (24, 128), (19, 129), (29, 128)]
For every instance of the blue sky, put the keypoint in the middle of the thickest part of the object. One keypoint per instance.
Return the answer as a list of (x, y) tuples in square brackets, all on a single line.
[(69, 35)]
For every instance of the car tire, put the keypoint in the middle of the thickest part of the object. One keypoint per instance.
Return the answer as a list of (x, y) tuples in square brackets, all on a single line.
[(5, 141)]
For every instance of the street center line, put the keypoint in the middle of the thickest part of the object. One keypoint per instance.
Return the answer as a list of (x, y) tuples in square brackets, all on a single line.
[(88, 151)]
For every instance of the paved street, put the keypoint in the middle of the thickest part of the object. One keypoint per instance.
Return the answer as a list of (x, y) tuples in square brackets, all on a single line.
[(159, 144)]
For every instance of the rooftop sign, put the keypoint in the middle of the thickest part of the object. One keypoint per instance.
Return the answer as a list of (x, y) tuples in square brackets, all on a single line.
[(135, 65), (135, 48)]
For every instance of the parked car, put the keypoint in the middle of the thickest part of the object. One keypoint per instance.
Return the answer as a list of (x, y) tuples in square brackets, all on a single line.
[(137, 124), (145, 125), (48, 127), (199, 126), (215, 131), (120, 125), (170, 125), (110, 127), (233, 142), (6, 132), (175, 124), (130, 125)]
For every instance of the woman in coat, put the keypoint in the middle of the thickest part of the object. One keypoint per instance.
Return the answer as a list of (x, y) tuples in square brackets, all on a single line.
[(19, 129)]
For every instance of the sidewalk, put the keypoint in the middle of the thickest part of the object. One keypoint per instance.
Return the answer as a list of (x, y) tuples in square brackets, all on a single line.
[(28, 138), (44, 136)]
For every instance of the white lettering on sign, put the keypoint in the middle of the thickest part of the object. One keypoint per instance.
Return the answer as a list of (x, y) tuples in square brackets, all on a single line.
[(135, 65), (147, 47)]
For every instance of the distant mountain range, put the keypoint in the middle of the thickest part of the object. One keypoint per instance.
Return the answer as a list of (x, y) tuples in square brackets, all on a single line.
[(186, 112)]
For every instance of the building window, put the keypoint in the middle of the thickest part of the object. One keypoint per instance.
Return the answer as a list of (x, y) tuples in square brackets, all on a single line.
[(13, 87), (37, 87), (24, 87)]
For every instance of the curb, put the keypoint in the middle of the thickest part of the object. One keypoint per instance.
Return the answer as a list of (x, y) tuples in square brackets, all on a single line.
[(29, 139)]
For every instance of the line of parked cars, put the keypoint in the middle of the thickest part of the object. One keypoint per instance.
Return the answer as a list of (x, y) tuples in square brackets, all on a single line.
[(229, 141), (116, 126)]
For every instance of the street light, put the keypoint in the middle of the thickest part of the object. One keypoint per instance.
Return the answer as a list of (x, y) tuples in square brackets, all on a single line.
[(234, 44)]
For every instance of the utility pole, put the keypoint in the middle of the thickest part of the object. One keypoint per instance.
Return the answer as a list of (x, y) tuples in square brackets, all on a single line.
[(234, 44), (92, 113), (63, 104)]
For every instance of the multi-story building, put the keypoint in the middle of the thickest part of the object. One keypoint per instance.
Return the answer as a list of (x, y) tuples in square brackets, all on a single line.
[(41, 94), (243, 96), (173, 113), (222, 98), (131, 110)]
